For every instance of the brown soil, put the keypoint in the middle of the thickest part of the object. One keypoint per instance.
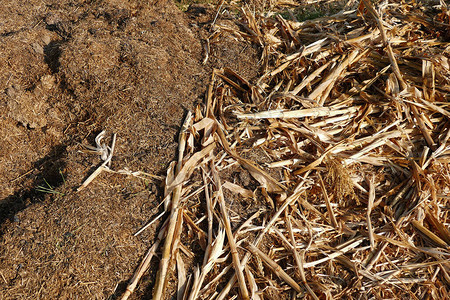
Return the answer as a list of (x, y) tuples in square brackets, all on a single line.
[(70, 69)]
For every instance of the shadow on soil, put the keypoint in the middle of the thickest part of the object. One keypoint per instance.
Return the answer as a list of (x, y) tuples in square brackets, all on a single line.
[(120, 290), (48, 174), (52, 52)]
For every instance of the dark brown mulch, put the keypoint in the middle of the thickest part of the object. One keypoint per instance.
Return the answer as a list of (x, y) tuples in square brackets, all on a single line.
[(71, 69)]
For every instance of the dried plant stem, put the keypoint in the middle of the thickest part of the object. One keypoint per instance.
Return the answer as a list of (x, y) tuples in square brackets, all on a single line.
[(302, 113), (209, 96), (274, 266), (210, 213), (233, 249), (167, 249), (351, 245), (216, 279), (369, 210), (294, 248), (422, 128), (390, 53), (298, 258), (442, 230), (425, 231), (102, 167), (264, 179), (216, 251), (94, 175), (143, 266), (299, 189), (323, 89), (311, 77), (182, 282), (149, 223), (327, 202)]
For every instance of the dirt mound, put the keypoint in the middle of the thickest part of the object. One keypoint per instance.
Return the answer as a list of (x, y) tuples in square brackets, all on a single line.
[(70, 70)]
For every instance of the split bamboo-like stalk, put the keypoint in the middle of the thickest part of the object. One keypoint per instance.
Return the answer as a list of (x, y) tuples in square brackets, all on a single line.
[(275, 267), (167, 249), (210, 213), (369, 210), (143, 266), (328, 203), (302, 113), (390, 53), (216, 251), (299, 259), (299, 189), (231, 241), (335, 254), (428, 233), (182, 282)]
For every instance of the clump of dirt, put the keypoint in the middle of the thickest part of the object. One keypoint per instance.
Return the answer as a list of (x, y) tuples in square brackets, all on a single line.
[(70, 70)]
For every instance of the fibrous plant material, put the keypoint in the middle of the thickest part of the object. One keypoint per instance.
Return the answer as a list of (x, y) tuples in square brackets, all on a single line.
[(345, 138), (231, 241), (169, 250), (106, 154)]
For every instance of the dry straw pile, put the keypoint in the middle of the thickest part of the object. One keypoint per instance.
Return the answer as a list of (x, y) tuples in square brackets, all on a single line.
[(346, 138)]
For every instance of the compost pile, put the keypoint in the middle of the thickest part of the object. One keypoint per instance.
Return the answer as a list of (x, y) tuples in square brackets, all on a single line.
[(326, 177)]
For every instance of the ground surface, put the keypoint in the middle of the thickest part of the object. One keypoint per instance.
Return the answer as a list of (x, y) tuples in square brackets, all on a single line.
[(70, 69)]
